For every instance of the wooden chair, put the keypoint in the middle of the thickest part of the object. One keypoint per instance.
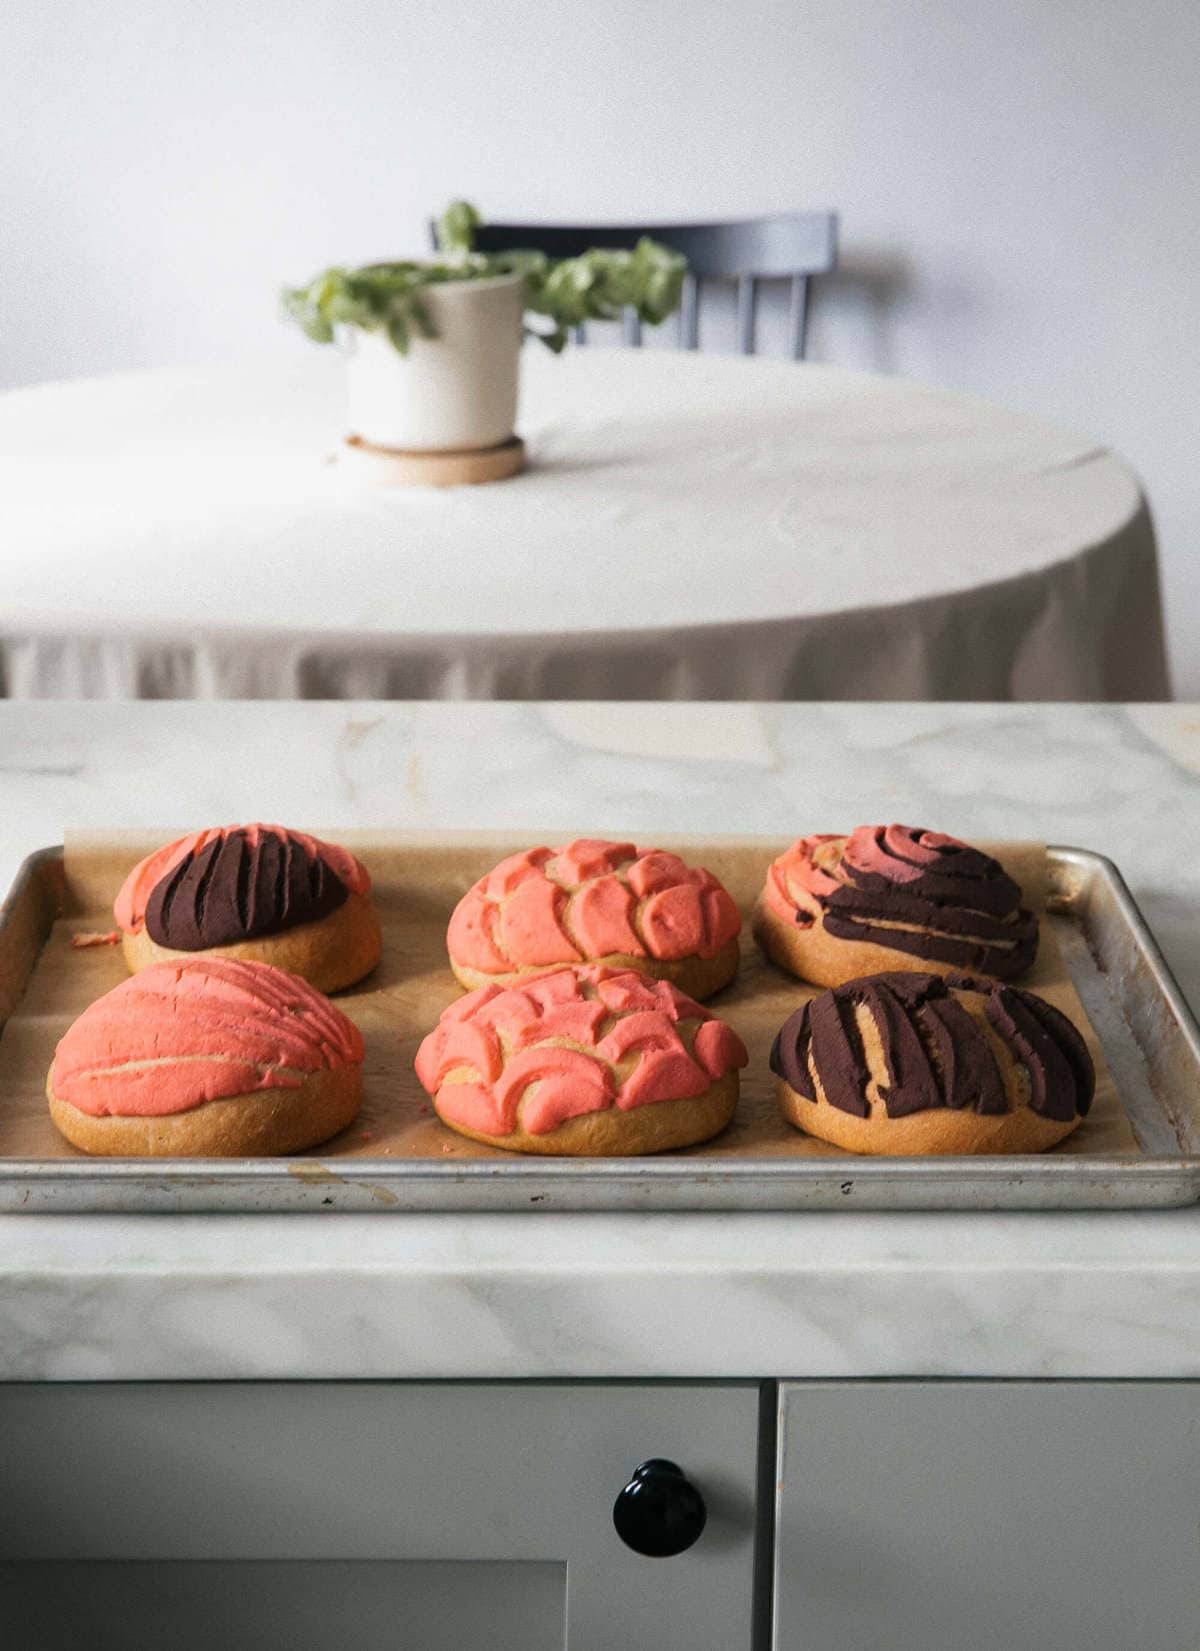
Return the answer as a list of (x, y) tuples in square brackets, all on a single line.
[(792, 246)]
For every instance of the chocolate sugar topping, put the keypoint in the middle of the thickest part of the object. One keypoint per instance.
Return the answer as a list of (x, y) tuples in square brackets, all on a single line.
[(236, 889), (956, 904), (1062, 1078), (935, 1052)]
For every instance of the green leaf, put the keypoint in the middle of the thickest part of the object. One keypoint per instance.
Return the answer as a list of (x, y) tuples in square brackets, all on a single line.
[(456, 227), (397, 331), (297, 307), (420, 317), (388, 297)]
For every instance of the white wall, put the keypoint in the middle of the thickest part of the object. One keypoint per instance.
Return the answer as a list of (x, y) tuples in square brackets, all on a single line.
[(1017, 179)]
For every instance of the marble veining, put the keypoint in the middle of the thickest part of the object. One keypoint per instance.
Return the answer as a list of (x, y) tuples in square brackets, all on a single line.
[(624, 1295)]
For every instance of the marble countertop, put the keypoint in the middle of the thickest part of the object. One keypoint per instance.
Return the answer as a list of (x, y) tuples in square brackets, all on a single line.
[(94, 1297)]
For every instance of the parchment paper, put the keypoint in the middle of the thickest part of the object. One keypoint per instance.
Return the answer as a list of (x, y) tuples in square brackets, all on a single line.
[(416, 884)]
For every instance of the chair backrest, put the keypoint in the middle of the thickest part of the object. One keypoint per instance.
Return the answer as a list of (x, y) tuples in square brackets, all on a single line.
[(793, 246)]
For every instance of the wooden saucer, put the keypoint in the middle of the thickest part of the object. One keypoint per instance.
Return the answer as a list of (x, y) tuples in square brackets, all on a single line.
[(450, 467)]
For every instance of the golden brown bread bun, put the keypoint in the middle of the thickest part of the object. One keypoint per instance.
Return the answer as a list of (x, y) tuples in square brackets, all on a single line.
[(596, 902), (892, 897), (262, 894), (584, 1062), (909, 1064), (260, 1124), (207, 1058), (330, 954)]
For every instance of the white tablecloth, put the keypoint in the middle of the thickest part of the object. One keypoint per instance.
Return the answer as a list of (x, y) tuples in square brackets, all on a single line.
[(690, 527)]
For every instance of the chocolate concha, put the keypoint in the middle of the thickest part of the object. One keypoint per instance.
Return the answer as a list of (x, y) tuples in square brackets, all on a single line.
[(906, 1063), (893, 897)]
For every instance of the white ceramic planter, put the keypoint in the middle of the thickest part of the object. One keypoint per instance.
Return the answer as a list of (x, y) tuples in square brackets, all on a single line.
[(458, 390)]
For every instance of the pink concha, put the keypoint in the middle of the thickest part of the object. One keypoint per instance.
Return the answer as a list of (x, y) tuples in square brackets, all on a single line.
[(590, 899), (561, 1045), (179, 1034)]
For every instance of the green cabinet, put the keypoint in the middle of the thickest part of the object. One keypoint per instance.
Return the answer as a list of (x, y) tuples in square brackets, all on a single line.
[(907, 1516), (434, 1517), (988, 1516)]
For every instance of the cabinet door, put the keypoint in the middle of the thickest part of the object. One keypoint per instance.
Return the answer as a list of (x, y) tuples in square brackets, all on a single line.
[(305, 1515), (1000, 1516)]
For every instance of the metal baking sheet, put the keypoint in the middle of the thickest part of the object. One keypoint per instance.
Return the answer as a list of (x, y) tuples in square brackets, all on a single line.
[(1149, 1038)]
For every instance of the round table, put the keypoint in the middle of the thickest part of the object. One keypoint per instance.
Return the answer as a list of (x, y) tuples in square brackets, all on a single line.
[(689, 527)]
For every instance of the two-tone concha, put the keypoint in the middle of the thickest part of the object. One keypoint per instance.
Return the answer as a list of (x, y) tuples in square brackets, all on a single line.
[(835, 908), (257, 893)]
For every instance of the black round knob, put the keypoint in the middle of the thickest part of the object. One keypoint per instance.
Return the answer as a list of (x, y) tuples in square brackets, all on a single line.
[(660, 1512)]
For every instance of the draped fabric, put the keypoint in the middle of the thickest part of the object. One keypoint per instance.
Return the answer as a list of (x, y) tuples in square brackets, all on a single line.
[(690, 527)]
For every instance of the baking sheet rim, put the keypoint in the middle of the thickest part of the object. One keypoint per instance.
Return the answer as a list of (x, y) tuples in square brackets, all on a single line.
[(368, 1173)]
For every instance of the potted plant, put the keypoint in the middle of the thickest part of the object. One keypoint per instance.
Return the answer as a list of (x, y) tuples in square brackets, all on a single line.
[(432, 345)]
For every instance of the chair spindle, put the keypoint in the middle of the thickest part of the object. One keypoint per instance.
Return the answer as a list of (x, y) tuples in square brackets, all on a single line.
[(798, 317), (747, 298), (689, 314)]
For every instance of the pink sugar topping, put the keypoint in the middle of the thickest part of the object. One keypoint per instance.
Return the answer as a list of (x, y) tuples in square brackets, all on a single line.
[(575, 1041), (179, 1034), (902, 854), (590, 899)]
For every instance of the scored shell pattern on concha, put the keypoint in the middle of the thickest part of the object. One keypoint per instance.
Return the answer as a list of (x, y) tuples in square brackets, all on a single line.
[(931, 1052), (913, 892)]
